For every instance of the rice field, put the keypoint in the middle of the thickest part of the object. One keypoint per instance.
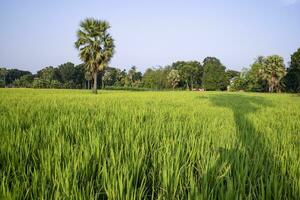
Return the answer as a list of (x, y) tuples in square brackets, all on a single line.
[(71, 144)]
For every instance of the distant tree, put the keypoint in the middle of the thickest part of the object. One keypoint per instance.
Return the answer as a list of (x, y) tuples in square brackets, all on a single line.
[(79, 76), (88, 77), (273, 71), (47, 73), (188, 73), (67, 72), (120, 77), (292, 78), (230, 74), (96, 46), (149, 79), (237, 83), (24, 81), (214, 77), (41, 83), (13, 74), (173, 78), (156, 78), (133, 76), (107, 78), (254, 79), (191, 73), (3, 73), (55, 84), (197, 79)]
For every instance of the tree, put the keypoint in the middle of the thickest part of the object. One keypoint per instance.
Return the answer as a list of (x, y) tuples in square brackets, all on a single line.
[(292, 78), (173, 78), (230, 74), (13, 74), (79, 76), (24, 81), (214, 77), (107, 78), (88, 76), (41, 83), (156, 78), (120, 78), (273, 71), (96, 46), (149, 79), (190, 72), (47, 73), (253, 77), (67, 72), (3, 73), (237, 83), (134, 76)]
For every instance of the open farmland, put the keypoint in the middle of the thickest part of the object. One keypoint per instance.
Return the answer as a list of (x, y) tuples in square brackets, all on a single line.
[(71, 144)]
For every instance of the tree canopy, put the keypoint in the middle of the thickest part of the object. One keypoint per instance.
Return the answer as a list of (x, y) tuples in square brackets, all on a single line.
[(214, 77), (96, 46)]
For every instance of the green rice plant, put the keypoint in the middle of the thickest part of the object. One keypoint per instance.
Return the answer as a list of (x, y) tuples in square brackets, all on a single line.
[(70, 144)]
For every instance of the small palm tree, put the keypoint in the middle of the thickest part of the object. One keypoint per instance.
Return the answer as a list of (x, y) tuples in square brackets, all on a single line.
[(95, 45), (273, 71), (173, 78)]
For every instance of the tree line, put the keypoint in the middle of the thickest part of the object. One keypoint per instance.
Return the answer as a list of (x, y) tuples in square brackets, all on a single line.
[(269, 74), (179, 75), (96, 48), (266, 74)]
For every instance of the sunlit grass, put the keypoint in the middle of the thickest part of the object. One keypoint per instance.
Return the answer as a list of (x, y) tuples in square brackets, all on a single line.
[(71, 144)]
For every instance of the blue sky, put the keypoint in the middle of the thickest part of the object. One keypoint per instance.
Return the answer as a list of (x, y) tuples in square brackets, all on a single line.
[(35, 34)]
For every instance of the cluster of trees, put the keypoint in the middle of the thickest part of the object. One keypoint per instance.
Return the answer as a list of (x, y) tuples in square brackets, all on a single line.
[(66, 75), (96, 48), (180, 75), (268, 74), (265, 74)]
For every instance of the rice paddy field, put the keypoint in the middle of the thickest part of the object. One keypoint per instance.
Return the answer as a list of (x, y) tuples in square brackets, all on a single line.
[(71, 144)]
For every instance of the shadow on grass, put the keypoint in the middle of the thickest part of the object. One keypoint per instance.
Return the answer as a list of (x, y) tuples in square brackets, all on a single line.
[(249, 169)]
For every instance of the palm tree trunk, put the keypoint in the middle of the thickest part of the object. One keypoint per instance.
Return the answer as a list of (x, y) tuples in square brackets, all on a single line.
[(95, 83)]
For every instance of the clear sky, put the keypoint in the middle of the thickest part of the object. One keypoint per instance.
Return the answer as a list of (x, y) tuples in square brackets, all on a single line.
[(39, 33)]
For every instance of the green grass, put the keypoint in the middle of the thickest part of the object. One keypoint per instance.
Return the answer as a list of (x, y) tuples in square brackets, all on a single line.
[(71, 144)]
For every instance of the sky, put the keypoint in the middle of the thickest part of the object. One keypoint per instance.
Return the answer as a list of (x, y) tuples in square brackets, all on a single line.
[(150, 33)]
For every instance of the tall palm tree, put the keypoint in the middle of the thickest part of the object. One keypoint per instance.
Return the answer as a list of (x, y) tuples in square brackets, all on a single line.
[(95, 45)]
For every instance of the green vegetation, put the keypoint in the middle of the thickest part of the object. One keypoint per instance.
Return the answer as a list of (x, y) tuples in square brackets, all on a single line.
[(292, 79), (96, 46), (266, 74), (71, 144), (214, 76)]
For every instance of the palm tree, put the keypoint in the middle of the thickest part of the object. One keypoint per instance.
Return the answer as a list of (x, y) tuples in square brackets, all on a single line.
[(273, 71), (95, 45), (173, 78)]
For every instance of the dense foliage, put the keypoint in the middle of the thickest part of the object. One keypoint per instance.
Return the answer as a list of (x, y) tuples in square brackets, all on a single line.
[(71, 144), (292, 79), (95, 45), (266, 74), (214, 76)]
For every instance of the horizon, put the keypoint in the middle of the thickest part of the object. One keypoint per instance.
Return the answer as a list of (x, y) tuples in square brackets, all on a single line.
[(38, 34)]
